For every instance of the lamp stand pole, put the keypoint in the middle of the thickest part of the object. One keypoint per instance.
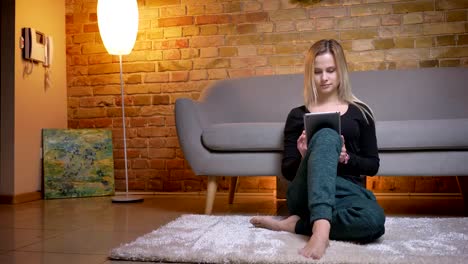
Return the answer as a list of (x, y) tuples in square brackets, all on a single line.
[(126, 198)]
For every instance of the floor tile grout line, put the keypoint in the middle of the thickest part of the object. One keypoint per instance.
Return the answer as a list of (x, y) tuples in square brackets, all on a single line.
[(63, 253)]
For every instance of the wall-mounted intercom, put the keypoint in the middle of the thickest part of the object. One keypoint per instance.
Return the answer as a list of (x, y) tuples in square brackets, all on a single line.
[(49, 48), (37, 46)]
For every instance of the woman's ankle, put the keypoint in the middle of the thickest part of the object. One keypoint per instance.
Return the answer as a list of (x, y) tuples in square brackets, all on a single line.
[(321, 227), (289, 224)]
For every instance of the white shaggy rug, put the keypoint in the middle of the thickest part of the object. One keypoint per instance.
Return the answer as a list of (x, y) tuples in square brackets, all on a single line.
[(232, 239)]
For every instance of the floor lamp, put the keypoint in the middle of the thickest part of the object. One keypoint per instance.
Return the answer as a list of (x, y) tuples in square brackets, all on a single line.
[(118, 26)]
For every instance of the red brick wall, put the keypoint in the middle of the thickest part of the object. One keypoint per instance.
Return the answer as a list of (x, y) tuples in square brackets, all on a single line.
[(184, 45)]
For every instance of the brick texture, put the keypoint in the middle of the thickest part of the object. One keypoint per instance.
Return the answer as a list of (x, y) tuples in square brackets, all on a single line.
[(184, 45)]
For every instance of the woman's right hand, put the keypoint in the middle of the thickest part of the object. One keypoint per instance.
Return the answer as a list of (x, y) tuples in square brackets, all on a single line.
[(302, 144)]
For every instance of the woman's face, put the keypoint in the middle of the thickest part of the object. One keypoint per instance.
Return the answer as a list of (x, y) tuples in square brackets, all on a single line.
[(326, 75)]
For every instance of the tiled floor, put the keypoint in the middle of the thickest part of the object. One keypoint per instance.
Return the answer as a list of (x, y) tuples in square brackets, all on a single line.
[(84, 230)]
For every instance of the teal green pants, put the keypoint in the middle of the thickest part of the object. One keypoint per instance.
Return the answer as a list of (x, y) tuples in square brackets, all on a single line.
[(318, 193)]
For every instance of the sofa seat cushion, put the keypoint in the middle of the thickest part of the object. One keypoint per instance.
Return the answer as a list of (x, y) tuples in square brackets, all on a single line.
[(437, 134), (234, 137)]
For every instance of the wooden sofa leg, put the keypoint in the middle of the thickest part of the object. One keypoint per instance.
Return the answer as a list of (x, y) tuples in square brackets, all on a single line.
[(210, 194), (232, 188), (463, 186)]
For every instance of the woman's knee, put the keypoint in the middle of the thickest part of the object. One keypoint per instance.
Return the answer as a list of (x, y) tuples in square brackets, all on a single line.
[(362, 221), (326, 136), (375, 222), (378, 219)]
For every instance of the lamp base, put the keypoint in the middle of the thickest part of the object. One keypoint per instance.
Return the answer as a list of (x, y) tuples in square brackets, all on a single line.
[(127, 199)]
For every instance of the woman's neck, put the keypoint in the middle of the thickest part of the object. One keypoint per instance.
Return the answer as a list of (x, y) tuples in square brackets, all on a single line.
[(331, 103), (331, 99)]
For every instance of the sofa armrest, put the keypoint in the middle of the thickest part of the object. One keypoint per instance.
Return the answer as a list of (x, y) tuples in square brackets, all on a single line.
[(189, 131)]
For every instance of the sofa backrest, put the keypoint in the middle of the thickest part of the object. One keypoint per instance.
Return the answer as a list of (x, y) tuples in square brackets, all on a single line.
[(255, 99), (418, 94)]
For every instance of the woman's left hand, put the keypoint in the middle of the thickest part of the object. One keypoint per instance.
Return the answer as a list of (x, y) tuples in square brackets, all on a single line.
[(344, 157), (302, 144)]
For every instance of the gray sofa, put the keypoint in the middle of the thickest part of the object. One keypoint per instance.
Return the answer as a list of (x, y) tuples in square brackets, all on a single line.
[(236, 127)]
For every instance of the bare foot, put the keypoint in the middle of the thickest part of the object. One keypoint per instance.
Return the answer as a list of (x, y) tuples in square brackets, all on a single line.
[(318, 243), (269, 222)]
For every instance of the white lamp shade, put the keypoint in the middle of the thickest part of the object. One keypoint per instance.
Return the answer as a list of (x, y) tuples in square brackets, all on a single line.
[(118, 25)]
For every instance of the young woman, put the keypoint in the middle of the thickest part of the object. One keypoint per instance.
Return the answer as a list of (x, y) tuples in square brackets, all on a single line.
[(325, 198)]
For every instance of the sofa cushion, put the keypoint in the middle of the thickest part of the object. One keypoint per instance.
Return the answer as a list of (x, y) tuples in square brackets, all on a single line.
[(448, 134), (244, 137)]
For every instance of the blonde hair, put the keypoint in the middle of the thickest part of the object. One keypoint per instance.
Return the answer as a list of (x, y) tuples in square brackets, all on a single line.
[(344, 89)]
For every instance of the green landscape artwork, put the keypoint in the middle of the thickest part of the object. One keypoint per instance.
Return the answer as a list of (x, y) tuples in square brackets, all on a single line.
[(77, 163)]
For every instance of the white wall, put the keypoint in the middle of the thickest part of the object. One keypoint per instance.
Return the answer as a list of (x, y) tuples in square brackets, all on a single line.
[(38, 107)]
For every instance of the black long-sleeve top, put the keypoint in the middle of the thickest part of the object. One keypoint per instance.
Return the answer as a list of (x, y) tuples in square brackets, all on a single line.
[(360, 142)]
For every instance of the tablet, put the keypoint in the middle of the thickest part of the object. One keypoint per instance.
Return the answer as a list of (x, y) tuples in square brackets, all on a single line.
[(315, 121)]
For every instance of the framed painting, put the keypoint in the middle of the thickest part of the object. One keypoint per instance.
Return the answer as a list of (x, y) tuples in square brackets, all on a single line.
[(77, 163)]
